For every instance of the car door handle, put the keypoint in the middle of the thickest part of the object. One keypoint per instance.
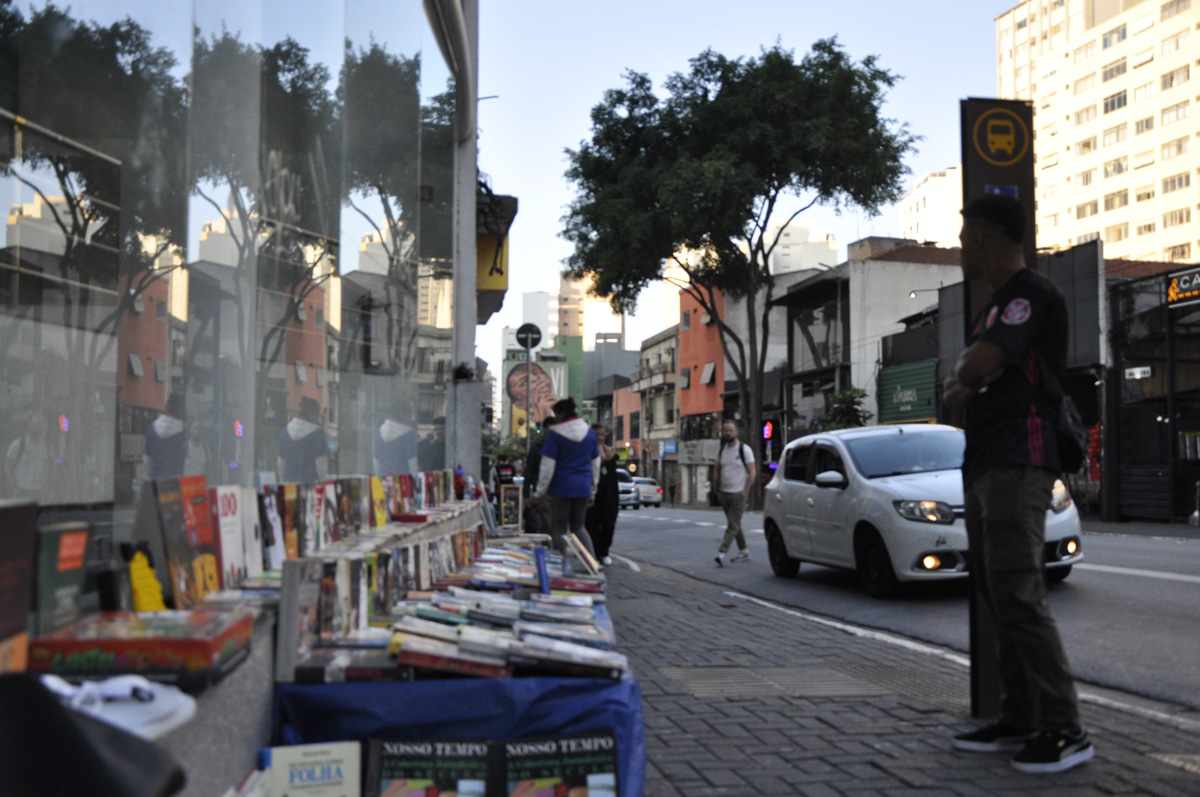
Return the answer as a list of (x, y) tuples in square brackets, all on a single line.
[(811, 502)]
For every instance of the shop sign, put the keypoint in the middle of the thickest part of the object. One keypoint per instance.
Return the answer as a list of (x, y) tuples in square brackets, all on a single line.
[(1142, 372), (906, 392), (699, 452), (670, 447), (1183, 288)]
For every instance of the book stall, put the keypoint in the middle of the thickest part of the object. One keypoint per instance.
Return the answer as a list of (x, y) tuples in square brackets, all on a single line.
[(363, 635)]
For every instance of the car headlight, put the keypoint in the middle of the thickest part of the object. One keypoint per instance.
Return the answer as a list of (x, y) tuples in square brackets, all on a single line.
[(1060, 497), (926, 511)]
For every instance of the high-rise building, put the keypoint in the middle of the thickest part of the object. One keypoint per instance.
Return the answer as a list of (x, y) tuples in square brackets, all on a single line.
[(929, 211), (798, 247), (1114, 138), (581, 315), (541, 308)]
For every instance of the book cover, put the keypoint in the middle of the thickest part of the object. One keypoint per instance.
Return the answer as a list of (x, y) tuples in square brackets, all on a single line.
[(225, 503), (329, 513), (326, 769), (186, 524), (428, 768), (252, 546), (61, 571), (191, 649), (285, 502), (274, 547), (18, 544), (539, 557), (327, 605), (554, 766), (583, 554), (430, 654), (297, 625), (379, 514), (308, 519)]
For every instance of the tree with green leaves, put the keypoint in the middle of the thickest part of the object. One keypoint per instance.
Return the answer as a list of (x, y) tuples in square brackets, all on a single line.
[(846, 410), (698, 178)]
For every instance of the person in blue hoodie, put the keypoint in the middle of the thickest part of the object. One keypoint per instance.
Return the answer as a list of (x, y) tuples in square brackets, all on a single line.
[(396, 443), (569, 473)]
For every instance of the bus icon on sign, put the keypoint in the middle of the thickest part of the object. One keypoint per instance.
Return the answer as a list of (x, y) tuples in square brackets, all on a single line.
[(1001, 137)]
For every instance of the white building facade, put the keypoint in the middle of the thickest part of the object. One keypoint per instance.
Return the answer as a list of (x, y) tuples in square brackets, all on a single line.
[(1115, 140), (929, 211)]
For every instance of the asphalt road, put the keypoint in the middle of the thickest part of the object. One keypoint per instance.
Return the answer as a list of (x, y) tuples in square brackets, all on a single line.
[(1128, 613)]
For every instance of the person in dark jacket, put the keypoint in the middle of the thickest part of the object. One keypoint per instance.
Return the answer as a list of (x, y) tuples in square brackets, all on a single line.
[(601, 518), (303, 452), (569, 473), (538, 518)]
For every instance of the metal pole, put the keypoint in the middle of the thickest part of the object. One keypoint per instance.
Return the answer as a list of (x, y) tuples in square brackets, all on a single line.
[(528, 390)]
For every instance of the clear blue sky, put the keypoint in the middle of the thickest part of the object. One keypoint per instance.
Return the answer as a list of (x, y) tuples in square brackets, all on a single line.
[(550, 62)]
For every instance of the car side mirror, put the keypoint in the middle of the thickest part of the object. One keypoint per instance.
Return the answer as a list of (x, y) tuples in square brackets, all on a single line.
[(830, 478)]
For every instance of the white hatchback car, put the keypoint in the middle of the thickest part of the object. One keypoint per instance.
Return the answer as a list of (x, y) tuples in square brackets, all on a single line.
[(887, 501)]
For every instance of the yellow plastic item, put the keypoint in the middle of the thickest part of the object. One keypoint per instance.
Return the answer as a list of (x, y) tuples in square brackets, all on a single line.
[(147, 591)]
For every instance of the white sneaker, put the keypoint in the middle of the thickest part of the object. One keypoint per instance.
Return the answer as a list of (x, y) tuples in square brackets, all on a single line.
[(742, 556), (719, 559), (606, 561)]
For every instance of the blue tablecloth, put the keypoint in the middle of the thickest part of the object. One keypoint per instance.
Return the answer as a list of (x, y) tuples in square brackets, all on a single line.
[(469, 708)]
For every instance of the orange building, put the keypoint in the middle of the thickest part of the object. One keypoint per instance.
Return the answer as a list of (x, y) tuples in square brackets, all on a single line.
[(701, 360), (627, 422)]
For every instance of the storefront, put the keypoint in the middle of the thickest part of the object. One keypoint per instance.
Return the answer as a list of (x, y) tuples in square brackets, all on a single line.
[(1154, 398)]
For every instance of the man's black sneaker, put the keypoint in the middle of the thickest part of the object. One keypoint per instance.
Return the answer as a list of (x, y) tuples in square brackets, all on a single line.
[(1054, 751), (997, 737)]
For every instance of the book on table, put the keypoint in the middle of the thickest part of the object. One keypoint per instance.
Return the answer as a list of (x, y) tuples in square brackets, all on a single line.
[(18, 544), (327, 769)]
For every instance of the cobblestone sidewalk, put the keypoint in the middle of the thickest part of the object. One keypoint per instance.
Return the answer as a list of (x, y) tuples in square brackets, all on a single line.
[(745, 698)]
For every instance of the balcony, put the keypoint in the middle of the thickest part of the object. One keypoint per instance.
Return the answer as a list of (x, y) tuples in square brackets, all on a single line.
[(653, 376)]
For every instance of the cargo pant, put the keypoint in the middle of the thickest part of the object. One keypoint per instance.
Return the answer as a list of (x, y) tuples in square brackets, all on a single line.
[(733, 504), (1006, 529)]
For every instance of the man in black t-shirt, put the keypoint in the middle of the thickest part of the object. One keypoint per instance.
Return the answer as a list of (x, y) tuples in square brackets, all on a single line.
[(1009, 469)]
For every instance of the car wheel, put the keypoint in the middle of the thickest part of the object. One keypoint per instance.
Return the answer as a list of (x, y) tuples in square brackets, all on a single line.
[(782, 565), (875, 566), (1056, 574)]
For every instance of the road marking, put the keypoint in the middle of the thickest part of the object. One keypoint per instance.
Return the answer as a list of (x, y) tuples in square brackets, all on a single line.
[(1130, 571), (705, 523), (632, 564), (1182, 723)]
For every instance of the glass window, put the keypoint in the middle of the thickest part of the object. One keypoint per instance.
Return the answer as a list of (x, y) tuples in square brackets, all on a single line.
[(825, 459), (1115, 69), (1116, 233), (1115, 135), (178, 191), (1144, 194), (1173, 8), (1117, 199), (1143, 125), (1175, 43), (1179, 253), (1143, 92), (1115, 101), (1173, 149), (1086, 83), (1175, 112), (1176, 182), (1116, 166), (1113, 37), (1143, 159), (1085, 115), (1145, 228), (1175, 218), (1084, 179), (1176, 77), (1085, 52), (795, 467), (1086, 209), (881, 455), (1142, 58), (1085, 146), (1088, 236)]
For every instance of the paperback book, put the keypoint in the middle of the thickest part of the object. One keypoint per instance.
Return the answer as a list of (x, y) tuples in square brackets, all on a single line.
[(327, 769), (62, 549)]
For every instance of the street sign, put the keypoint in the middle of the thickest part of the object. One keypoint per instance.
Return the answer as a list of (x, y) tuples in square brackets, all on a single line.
[(1141, 372), (528, 335)]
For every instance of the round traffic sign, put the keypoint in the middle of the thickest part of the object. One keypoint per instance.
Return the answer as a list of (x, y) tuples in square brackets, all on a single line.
[(528, 335)]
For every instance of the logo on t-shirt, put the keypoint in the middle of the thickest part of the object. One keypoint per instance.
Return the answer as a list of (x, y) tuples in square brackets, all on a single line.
[(1016, 313)]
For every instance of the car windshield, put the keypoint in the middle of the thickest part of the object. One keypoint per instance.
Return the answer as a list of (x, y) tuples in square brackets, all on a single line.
[(899, 452), (623, 475)]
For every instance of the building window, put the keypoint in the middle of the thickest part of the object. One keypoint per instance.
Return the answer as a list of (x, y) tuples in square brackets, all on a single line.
[(1176, 77), (135, 366), (1048, 100), (620, 430), (1143, 125), (1117, 199), (1142, 58), (160, 370), (1086, 209), (685, 377), (1116, 166), (1050, 130), (1175, 43), (1113, 37), (1143, 159), (1144, 194), (1085, 83), (1143, 24), (1049, 160), (1085, 146), (1143, 92), (1173, 8), (1176, 182), (1050, 191), (1084, 178), (1175, 148), (1145, 228), (1115, 135), (301, 372), (1174, 113), (1174, 218), (1178, 253), (1115, 102), (1116, 233), (1085, 115), (1085, 52), (709, 375), (1110, 71), (1052, 221), (1087, 236)]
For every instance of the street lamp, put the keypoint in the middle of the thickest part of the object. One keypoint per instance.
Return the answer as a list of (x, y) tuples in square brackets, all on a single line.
[(913, 293)]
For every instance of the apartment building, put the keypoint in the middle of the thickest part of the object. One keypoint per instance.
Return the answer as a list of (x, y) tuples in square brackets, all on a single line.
[(1115, 138)]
